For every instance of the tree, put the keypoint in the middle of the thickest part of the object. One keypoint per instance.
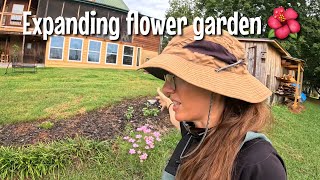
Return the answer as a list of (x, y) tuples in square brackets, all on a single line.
[(180, 8)]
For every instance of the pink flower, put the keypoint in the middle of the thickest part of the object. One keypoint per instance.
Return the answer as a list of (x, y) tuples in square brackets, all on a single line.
[(156, 134), (147, 147), (138, 136), (148, 142), (151, 146), (147, 130), (143, 157), (131, 140), (126, 138), (158, 139), (284, 22), (142, 128), (132, 151), (135, 145)]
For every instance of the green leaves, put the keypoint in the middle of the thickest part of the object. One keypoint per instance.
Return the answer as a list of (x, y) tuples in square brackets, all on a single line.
[(271, 34), (34, 162), (293, 35)]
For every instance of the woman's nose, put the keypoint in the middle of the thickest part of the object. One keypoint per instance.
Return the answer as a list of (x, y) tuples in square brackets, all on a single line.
[(167, 89)]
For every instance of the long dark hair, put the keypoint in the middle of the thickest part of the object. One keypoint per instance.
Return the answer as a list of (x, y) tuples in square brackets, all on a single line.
[(215, 158)]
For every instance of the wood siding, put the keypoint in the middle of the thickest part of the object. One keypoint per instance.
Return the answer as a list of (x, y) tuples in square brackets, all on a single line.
[(149, 42), (264, 62)]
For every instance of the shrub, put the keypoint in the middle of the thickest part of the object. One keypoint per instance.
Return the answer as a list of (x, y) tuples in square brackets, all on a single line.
[(148, 111), (129, 113)]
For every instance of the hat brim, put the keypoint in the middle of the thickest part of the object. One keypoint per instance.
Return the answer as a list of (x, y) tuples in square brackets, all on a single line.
[(240, 86)]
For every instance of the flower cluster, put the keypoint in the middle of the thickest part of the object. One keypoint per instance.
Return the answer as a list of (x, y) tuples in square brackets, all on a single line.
[(143, 140), (283, 23)]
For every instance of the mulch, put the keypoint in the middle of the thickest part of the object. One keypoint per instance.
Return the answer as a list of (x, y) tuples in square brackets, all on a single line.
[(103, 124)]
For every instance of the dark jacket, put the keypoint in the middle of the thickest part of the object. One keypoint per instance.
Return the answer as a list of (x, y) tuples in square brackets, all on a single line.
[(257, 159)]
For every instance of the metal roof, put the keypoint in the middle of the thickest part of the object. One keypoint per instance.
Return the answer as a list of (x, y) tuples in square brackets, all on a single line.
[(117, 5), (114, 3)]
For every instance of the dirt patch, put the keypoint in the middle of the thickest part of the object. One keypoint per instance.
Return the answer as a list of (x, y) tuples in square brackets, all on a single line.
[(102, 124)]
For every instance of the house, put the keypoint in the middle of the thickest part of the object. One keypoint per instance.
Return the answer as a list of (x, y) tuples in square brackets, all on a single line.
[(92, 51), (269, 62)]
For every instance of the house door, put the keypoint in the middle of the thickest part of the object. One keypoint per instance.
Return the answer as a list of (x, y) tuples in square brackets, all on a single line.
[(252, 60), (34, 50)]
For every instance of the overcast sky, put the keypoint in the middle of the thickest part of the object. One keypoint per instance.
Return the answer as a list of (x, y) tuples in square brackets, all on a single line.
[(153, 8)]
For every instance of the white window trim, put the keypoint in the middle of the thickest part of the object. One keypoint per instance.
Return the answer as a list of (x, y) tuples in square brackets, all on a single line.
[(127, 55), (105, 60), (94, 52), (139, 56), (75, 49), (56, 47)]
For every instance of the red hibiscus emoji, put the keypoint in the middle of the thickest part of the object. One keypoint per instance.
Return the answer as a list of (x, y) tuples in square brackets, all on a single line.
[(283, 23)]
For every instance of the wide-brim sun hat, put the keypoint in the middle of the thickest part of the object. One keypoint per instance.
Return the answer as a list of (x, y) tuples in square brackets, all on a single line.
[(217, 63)]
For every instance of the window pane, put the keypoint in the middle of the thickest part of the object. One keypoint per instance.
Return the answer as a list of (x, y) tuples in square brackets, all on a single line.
[(75, 55), (111, 58), (57, 41), (55, 53), (128, 50), (94, 46), (94, 57), (127, 60), (112, 48), (76, 43)]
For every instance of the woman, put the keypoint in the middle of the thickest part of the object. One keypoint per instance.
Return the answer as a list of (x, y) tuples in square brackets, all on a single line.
[(219, 108)]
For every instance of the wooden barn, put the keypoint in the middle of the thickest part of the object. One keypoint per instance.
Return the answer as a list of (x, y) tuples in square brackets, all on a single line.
[(92, 51), (272, 65)]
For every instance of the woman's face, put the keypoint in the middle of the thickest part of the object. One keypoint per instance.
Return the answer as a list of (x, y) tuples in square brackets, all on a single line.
[(192, 103)]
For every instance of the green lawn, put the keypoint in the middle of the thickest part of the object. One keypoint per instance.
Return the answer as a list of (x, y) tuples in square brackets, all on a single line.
[(62, 92), (297, 139)]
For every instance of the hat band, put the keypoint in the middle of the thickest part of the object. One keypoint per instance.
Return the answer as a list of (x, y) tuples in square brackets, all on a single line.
[(212, 49)]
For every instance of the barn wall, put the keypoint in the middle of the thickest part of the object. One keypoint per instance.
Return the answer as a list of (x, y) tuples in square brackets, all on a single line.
[(274, 69), (264, 62)]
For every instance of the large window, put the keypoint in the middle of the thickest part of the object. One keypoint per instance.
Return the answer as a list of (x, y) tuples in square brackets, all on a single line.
[(75, 49), (94, 51), (56, 47), (127, 57), (17, 19), (112, 53)]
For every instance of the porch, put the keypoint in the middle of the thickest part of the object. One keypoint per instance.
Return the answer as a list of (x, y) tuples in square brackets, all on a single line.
[(21, 49), (11, 16)]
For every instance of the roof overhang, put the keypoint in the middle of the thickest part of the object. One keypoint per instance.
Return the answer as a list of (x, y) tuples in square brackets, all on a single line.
[(274, 43)]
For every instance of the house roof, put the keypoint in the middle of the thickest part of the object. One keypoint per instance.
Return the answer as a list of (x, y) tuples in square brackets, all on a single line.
[(114, 3), (274, 43), (118, 5)]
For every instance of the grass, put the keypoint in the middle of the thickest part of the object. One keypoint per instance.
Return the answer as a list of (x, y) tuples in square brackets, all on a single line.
[(121, 165), (63, 92), (83, 159), (296, 138)]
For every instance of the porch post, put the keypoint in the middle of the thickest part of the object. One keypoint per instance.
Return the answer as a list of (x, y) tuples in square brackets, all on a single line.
[(29, 5), (4, 6), (22, 49)]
